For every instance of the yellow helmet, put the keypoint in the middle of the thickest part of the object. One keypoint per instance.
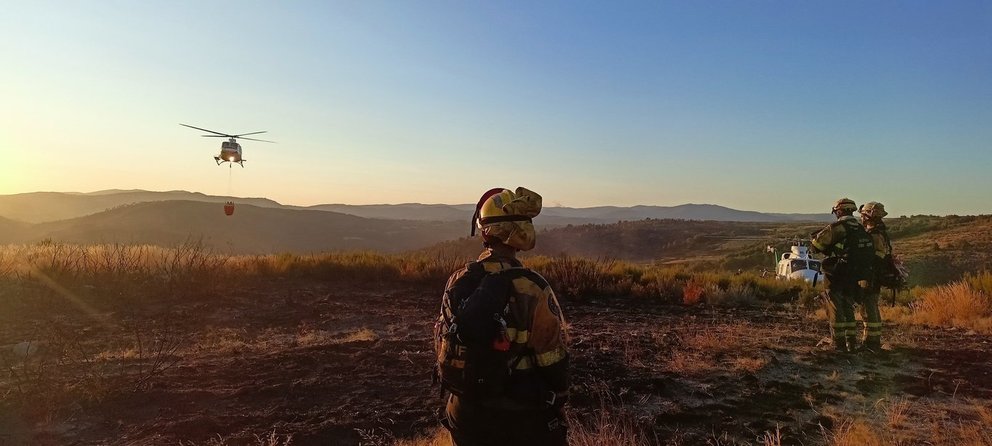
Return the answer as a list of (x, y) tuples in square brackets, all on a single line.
[(505, 216), (873, 209), (846, 205)]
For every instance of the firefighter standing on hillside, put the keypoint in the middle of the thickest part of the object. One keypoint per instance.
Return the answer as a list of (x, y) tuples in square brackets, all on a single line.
[(848, 269), (871, 217), (507, 390)]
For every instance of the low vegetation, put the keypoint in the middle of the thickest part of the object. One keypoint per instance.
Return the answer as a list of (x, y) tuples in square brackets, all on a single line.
[(50, 364), (91, 275)]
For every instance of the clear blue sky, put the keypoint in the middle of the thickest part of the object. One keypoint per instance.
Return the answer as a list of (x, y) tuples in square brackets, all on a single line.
[(759, 105)]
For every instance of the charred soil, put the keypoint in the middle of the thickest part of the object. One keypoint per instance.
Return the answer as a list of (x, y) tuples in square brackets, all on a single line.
[(332, 365)]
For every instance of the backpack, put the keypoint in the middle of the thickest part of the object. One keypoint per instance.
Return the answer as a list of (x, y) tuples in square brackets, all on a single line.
[(857, 259), (474, 357), (889, 272)]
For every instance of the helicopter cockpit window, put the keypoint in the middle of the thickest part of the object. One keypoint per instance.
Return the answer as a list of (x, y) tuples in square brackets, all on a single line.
[(814, 265), (798, 265)]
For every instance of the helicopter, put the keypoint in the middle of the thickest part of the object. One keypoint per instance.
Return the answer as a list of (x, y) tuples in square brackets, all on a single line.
[(230, 150), (797, 263)]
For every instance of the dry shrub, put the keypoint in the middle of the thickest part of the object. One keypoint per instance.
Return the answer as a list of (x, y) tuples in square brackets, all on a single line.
[(772, 438), (191, 269), (117, 269), (984, 413), (896, 412), (746, 364), (357, 267), (439, 437), (732, 295), (63, 368), (707, 348), (606, 428), (362, 335), (957, 304), (227, 340), (981, 282), (688, 363), (693, 292), (900, 422), (573, 277), (8, 264), (270, 439), (854, 433)]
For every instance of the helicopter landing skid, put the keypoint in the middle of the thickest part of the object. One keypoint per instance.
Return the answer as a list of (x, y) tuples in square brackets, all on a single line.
[(220, 161)]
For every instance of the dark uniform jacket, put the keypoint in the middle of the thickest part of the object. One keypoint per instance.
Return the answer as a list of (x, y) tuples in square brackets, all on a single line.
[(880, 235), (830, 240), (536, 329), (885, 270)]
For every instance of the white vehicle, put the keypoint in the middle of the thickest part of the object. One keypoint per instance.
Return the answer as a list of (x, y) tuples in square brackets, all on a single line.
[(797, 264)]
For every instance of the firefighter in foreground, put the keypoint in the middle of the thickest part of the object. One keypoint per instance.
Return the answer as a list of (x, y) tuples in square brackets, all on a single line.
[(848, 270), (500, 337), (885, 272)]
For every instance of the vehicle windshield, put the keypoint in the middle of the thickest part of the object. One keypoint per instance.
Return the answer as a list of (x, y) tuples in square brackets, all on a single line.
[(798, 265), (814, 265)]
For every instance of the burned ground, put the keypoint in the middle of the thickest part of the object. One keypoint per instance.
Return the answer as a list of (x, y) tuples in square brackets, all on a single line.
[(334, 365)]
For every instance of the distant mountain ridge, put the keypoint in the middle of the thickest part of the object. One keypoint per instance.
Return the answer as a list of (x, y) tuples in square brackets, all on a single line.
[(251, 230), (40, 207)]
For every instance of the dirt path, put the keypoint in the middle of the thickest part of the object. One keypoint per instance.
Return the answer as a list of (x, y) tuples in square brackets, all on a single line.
[(335, 366)]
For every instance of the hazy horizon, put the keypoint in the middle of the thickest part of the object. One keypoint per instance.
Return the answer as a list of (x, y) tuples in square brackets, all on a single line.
[(235, 197), (771, 107)]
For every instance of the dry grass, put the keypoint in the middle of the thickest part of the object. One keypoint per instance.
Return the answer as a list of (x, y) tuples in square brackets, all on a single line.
[(606, 428), (855, 433), (574, 277), (270, 439), (191, 267), (227, 341), (896, 413), (957, 304), (439, 437), (964, 304), (902, 422), (686, 363), (748, 364), (719, 347)]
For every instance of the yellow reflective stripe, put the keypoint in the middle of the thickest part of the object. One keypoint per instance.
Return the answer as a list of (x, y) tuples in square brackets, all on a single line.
[(840, 245), (518, 336), (874, 324), (548, 358), (524, 364)]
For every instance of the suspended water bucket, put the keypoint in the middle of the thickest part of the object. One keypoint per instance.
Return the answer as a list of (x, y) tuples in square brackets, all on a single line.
[(229, 208)]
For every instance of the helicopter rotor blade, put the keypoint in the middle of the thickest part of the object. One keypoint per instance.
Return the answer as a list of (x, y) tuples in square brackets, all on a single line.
[(216, 136), (208, 131), (260, 140), (246, 134)]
